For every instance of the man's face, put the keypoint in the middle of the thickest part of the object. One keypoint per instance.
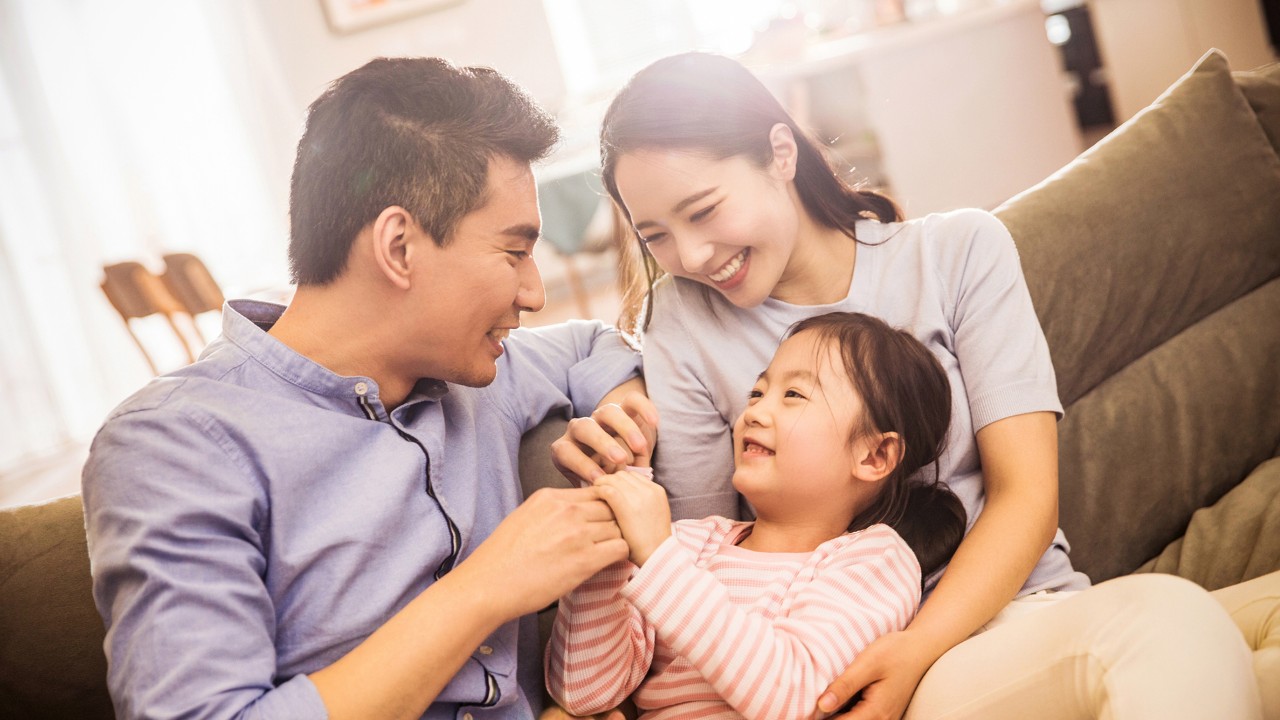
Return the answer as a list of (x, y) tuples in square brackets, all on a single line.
[(469, 294)]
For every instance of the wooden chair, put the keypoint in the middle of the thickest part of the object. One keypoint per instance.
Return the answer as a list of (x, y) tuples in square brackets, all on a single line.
[(191, 284), (135, 292)]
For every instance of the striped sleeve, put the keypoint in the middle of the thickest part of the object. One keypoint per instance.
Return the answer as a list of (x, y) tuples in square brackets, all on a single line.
[(600, 647), (772, 667)]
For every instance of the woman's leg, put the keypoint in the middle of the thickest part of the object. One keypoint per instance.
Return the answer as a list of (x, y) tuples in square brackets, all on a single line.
[(1141, 646), (1255, 606)]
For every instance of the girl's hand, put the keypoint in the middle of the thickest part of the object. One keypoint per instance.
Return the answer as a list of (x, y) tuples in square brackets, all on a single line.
[(616, 435), (640, 507), (886, 672)]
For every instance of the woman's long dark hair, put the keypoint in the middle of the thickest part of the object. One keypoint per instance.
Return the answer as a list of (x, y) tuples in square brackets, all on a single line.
[(714, 106), (904, 390)]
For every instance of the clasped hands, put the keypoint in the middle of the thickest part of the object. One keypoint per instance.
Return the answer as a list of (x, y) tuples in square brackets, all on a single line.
[(598, 450)]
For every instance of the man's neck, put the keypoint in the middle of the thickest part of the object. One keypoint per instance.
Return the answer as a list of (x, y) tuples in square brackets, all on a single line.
[(338, 333)]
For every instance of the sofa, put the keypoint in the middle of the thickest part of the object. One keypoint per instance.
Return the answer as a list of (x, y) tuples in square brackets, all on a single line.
[(1153, 261)]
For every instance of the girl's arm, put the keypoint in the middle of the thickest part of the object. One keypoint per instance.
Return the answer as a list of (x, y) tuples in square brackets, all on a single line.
[(1020, 463), (766, 667), (600, 648)]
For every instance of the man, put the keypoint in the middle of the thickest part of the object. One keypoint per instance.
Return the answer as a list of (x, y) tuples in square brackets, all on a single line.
[(309, 521)]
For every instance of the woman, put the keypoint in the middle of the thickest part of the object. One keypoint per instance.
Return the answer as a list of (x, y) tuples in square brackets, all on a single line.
[(744, 228)]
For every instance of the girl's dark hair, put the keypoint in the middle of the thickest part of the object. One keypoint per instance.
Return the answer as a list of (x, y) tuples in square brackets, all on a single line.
[(904, 390), (712, 105)]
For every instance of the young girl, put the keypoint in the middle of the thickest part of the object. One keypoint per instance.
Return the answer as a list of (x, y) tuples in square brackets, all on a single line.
[(743, 229), (760, 617)]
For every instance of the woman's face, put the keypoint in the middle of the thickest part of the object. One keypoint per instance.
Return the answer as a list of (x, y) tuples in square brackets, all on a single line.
[(729, 224)]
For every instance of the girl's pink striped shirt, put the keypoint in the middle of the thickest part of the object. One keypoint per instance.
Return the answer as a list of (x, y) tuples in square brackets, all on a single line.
[(709, 629)]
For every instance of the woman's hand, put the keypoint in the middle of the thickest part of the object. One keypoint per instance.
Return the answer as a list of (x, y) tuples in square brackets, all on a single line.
[(886, 672), (640, 507), (616, 435)]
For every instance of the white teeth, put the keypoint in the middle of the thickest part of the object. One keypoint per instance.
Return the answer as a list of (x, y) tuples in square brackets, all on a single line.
[(499, 334), (731, 268)]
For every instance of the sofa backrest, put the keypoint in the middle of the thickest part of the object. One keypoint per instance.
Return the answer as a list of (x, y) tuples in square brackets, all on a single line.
[(51, 659), (1152, 261)]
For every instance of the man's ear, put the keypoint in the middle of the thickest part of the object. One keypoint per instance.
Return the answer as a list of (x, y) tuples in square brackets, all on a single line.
[(783, 144), (876, 455), (394, 249)]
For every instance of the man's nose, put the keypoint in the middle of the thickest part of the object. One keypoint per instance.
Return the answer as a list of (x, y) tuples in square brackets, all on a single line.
[(532, 295)]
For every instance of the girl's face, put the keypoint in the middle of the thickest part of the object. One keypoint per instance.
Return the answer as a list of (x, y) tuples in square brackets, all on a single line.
[(792, 448), (728, 224)]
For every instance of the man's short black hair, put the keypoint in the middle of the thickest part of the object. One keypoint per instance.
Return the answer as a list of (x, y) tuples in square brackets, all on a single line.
[(413, 132)]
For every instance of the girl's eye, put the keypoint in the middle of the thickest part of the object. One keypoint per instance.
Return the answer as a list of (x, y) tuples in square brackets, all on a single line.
[(793, 394), (754, 395), (650, 239), (703, 212)]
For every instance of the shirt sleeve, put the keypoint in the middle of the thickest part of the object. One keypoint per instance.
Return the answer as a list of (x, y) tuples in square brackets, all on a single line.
[(777, 667), (998, 340), (178, 565), (569, 365), (694, 456), (600, 648)]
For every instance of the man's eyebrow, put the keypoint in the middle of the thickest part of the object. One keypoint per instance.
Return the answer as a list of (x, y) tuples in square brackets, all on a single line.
[(680, 205), (524, 231)]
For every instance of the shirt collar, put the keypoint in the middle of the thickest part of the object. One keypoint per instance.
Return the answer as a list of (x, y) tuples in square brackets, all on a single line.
[(245, 323)]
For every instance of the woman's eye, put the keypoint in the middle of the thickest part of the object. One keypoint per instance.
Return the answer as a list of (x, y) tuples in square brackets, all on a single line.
[(794, 394), (650, 239), (703, 212)]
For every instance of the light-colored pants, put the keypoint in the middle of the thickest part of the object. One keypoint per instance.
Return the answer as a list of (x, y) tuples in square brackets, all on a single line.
[(1139, 646)]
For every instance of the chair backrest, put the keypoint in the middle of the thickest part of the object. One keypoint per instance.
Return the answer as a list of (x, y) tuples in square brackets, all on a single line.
[(135, 292), (191, 284)]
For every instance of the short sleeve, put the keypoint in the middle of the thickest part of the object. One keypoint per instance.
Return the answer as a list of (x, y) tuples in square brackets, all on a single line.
[(999, 344)]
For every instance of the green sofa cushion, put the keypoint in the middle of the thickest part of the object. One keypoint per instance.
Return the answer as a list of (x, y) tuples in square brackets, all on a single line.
[(1120, 249), (1169, 434), (1261, 88), (1235, 540), (51, 658), (1163, 343)]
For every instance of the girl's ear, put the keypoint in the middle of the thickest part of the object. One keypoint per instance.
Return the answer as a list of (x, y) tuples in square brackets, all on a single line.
[(392, 246), (875, 456), (783, 143)]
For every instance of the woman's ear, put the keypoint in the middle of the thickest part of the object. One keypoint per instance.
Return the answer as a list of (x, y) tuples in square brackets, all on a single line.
[(876, 455), (783, 144), (393, 250)]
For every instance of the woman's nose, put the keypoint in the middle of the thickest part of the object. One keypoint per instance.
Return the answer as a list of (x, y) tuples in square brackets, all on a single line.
[(694, 253)]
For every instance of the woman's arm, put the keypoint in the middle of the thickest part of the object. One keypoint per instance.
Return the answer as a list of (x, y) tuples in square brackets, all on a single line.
[(1020, 465)]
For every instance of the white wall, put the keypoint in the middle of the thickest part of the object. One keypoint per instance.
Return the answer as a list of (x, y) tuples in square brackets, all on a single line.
[(509, 35), (1148, 44)]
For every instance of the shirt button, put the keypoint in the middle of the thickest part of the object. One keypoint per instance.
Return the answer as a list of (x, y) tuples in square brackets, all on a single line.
[(486, 650), (362, 388)]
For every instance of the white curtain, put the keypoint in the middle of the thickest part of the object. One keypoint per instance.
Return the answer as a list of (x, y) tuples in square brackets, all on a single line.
[(128, 128)]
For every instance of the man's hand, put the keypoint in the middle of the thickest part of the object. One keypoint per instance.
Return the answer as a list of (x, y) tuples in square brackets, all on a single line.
[(642, 512), (616, 435), (886, 673), (552, 543)]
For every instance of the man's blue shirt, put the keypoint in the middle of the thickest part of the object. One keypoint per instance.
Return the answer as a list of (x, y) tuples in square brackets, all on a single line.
[(253, 517)]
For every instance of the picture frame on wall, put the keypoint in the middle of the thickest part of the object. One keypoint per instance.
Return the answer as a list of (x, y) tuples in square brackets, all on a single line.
[(346, 16)]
